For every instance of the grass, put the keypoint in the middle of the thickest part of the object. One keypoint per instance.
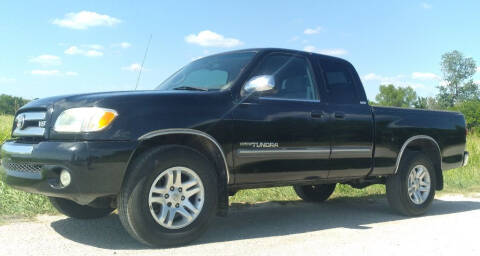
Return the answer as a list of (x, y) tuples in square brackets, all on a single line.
[(462, 180), (14, 202)]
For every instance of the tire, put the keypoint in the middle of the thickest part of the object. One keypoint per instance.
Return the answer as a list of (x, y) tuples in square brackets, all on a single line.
[(77, 211), (151, 171), (398, 195), (315, 193)]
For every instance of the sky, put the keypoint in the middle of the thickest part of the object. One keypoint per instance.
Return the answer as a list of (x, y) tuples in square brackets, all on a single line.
[(68, 47)]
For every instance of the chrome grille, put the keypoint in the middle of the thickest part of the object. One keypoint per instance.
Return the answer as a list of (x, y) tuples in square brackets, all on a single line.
[(23, 167), (30, 124)]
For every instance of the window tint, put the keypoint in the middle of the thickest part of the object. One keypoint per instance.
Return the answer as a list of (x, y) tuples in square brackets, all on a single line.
[(292, 74), (339, 82), (215, 72)]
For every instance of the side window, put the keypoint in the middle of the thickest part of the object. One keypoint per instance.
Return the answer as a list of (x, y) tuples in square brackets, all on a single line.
[(339, 82), (293, 77)]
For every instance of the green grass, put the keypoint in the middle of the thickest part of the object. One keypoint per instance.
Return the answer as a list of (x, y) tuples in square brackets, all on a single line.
[(462, 180), (13, 202)]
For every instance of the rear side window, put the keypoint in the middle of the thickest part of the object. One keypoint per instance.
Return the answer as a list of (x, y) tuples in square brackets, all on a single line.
[(339, 82)]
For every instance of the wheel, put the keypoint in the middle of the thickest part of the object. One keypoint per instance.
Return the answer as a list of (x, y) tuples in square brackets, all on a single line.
[(315, 193), (77, 211), (169, 196), (411, 191)]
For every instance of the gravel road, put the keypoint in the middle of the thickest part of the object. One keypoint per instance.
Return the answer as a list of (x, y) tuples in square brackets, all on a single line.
[(338, 227)]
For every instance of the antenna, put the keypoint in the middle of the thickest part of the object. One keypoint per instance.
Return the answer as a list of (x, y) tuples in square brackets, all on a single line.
[(143, 62)]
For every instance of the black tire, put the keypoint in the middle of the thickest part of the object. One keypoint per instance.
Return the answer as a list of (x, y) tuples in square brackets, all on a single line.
[(77, 211), (397, 185), (133, 206), (314, 193)]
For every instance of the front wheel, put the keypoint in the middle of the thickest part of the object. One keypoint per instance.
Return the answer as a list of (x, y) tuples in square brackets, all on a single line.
[(169, 196), (411, 191), (77, 211)]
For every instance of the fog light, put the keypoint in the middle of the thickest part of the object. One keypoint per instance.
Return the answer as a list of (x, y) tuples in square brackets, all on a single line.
[(65, 178)]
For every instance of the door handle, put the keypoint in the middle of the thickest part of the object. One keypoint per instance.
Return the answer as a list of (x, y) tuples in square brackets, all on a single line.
[(316, 114), (339, 115)]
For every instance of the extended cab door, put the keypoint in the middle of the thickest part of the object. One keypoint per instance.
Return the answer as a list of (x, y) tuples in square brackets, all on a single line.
[(279, 136), (351, 117)]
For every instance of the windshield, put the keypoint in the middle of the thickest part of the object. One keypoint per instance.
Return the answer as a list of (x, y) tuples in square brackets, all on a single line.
[(210, 73)]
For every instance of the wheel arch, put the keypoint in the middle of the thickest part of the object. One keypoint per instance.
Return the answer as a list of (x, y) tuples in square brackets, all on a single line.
[(198, 140), (428, 146)]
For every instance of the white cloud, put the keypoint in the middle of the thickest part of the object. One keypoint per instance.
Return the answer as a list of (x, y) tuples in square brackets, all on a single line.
[(294, 38), (45, 72), (71, 73), (85, 19), (93, 46), (477, 82), (311, 31), (7, 80), (334, 52), (398, 80), (46, 60), (208, 38), (425, 76), (52, 72), (478, 69), (125, 45), (74, 50), (426, 5), (134, 67)]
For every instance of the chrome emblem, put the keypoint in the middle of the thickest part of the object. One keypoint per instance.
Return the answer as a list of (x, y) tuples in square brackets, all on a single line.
[(20, 121)]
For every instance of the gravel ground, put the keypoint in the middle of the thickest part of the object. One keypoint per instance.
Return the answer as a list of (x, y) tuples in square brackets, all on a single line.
[(338, 227)]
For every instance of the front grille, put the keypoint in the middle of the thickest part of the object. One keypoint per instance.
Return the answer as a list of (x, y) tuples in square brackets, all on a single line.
[(30, 124), (23, 167)]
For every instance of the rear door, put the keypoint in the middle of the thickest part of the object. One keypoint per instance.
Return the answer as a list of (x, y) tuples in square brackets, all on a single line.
[(351, 116), (280, 136)]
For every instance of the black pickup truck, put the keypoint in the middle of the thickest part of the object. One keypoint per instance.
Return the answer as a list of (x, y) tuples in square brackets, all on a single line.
[(168, 158)]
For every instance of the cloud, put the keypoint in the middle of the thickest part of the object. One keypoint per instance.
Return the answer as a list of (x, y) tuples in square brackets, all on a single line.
[(208, 38), (311, 31), (134, 67), (85, 51), (46, 60), (425, 76), (45, 72), (398, 80), (7, 80), (52, 72), (478, 69), (426, 5), (334, 52), (71, 73), (85, 19), (125, 45)]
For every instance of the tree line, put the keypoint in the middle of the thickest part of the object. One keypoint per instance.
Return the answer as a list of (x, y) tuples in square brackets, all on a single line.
[(456, 92), (10, 104)]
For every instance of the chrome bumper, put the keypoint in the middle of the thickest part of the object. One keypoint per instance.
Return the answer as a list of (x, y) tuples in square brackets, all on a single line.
[(465, 158)]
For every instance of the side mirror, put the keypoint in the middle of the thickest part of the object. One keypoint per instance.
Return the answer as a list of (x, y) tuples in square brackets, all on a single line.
[(262, 83)]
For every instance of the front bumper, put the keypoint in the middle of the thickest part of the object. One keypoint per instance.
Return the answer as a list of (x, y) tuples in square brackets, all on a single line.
[(96, 168)]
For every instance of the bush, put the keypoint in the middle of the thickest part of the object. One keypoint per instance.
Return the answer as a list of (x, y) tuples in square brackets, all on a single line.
[(471, 111)]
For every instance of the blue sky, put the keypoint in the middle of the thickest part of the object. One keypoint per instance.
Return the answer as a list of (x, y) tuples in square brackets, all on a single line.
[(63, 47)]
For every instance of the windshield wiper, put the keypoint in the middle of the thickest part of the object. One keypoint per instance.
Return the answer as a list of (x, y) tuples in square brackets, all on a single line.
[(190, 88)]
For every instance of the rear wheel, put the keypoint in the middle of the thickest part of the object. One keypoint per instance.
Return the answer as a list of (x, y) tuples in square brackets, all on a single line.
[(77, 211), (315, 193), (411, 191), (169, 196)]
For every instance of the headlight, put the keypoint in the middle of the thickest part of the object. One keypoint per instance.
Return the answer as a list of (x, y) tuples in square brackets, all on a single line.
[(90, 119)]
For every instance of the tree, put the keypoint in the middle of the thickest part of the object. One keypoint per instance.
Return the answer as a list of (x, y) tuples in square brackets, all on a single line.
[(470, 109), (390, 95), (10, 104), (456, 70)]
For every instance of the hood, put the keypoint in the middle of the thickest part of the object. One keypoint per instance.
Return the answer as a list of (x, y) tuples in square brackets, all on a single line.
[(107, 99)]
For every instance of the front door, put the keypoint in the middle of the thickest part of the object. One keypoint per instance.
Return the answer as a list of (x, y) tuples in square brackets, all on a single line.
[(282, 135)]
